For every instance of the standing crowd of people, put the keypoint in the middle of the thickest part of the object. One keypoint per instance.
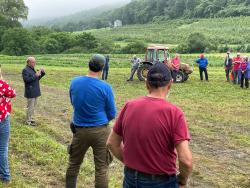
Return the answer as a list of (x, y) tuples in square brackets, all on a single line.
[(237, 69)]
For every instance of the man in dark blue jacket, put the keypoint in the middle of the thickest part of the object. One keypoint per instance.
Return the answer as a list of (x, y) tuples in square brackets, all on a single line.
[(93, 103), (32, 90), (202, 62)]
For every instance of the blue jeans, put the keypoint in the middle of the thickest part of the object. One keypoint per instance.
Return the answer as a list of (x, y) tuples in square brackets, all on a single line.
[(237, 77), (4, 142), (134, 180)]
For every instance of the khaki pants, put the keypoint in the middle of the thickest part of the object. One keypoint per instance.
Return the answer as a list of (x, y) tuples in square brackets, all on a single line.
[(95, 138), (31, 104)]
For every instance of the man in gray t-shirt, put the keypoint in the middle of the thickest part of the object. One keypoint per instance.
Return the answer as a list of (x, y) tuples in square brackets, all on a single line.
[(135, 64)]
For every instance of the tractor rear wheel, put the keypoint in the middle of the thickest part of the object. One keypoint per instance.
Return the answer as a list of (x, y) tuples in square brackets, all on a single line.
[(143, 71), (180, 77), (186, 76)]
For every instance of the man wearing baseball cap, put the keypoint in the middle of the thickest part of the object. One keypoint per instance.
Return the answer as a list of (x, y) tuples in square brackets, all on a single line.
[(149, 143), (94, 106)]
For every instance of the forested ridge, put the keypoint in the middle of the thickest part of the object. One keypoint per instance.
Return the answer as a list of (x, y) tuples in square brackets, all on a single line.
[(145, 11)]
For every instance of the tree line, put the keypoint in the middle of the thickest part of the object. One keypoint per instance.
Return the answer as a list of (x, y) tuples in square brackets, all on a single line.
[(16, 40)]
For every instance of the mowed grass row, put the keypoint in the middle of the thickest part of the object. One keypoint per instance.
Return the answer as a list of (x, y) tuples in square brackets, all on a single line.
[(216, 111), (116, 60)]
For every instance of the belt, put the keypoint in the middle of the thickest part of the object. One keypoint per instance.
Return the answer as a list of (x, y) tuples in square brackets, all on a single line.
[(148, 176), (87, 127)]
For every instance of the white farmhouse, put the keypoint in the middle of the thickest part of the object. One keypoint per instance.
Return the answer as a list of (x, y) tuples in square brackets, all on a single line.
[(117, 23)]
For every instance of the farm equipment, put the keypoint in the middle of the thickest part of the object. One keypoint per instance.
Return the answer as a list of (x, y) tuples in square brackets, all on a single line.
[(162, 55)]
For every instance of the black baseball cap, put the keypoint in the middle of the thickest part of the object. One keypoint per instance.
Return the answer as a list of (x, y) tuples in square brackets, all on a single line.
[(97, 62), (159, 75)]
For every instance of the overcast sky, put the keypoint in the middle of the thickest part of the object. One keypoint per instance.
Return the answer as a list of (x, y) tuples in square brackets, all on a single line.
[(55, 8)]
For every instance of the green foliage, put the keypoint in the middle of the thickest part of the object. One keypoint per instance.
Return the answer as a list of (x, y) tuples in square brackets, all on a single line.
[(10, 12), (196, 43), (137, 47), (39, 32), (18, 41), (51, 46), (13, 9), (86, 40), (65, 40), (105, 46)]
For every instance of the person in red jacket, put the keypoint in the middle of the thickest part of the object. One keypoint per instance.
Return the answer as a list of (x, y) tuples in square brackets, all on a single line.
[(175, 65), (236, 67), (242, 73), (6, 92)]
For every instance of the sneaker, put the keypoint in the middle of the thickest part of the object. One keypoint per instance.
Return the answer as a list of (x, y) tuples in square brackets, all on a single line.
[(129, 80), (31, 123)]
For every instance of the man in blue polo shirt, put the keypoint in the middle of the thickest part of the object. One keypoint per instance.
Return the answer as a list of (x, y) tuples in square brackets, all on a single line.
[(202, 62), (94, 106)]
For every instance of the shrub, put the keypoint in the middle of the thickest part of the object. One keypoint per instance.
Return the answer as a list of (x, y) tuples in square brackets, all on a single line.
[(197, 43), (50, 46), (137, 47), (64, 39), (86, 40), (105, 47)]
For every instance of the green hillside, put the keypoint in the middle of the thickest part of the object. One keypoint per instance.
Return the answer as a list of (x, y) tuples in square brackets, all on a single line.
[(222, 31)]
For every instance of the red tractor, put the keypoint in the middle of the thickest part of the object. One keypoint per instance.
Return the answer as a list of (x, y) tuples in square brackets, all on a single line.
[(161, 54)]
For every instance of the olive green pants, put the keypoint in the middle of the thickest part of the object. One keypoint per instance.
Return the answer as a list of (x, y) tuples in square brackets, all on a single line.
[(95, 138)]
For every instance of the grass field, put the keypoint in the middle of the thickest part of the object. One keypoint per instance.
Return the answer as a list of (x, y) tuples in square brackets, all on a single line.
[(217, 114), (116, 60)]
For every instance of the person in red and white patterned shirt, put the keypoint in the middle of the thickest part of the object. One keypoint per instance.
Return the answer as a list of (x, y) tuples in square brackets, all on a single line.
[(6, 92)]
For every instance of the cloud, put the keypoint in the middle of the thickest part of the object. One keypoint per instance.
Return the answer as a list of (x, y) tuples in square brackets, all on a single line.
[(55, 8)]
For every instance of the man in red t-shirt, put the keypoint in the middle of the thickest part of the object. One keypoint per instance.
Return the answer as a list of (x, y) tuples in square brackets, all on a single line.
[(236, 67), (149, 134)]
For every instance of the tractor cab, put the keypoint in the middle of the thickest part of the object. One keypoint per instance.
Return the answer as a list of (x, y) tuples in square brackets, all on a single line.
[(157, 54)]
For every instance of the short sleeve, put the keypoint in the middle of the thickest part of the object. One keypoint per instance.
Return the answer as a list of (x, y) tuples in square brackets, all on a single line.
[(181, 132), (118, 127), (6, 90)]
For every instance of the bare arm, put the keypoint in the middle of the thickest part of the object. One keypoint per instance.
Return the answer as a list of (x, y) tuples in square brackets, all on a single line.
[(185, 162), (114, 143)]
